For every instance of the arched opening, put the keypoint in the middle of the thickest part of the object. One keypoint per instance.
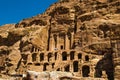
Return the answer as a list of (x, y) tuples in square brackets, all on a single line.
[(34, 55), (79, 56), (24, 57), (85, 71), (29, 63), (67, 68), (61, 47), (32, 49), (105, 64), (49, 56), (58, 69), (45, 66), (41, 56), (64, 56), (72, 53), (53, 65), (55, 55), (87, 58), (75, 66), (37, 64), (35, 49)]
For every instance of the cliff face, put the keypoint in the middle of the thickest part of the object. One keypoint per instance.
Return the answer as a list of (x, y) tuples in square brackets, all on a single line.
[(91, 21)]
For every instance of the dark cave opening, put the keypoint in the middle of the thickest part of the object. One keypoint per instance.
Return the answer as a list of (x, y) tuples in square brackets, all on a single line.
[(64, 56), (85, 71), (67, 68), (105, 64), (75, 66)]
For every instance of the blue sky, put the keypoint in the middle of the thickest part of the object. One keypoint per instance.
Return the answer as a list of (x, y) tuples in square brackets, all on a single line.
[(13, 11)]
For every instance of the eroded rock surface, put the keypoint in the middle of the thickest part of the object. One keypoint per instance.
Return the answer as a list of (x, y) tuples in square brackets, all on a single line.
[(71, 36)]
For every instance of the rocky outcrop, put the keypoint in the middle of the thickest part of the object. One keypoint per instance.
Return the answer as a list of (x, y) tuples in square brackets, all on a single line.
[(55, 75), (90, 25)]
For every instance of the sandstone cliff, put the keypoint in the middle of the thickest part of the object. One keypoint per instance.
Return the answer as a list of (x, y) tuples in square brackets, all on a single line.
[(94, 22)]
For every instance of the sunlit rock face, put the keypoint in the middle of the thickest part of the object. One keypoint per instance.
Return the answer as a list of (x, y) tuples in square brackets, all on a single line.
[(71, 36)]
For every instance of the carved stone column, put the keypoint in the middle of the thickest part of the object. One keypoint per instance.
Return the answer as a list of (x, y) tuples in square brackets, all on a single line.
[(76, 56), (37, 58), (60, 55), (52, 43), (72, 39), (71, 67), (49, 67), (67, 44), (46, 57), (68, 57), (58, 40), (91, 71), (33, 49), (80, 68), (29, 59)]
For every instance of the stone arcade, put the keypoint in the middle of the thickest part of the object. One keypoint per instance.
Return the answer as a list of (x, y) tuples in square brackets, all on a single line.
[(74, 36)]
